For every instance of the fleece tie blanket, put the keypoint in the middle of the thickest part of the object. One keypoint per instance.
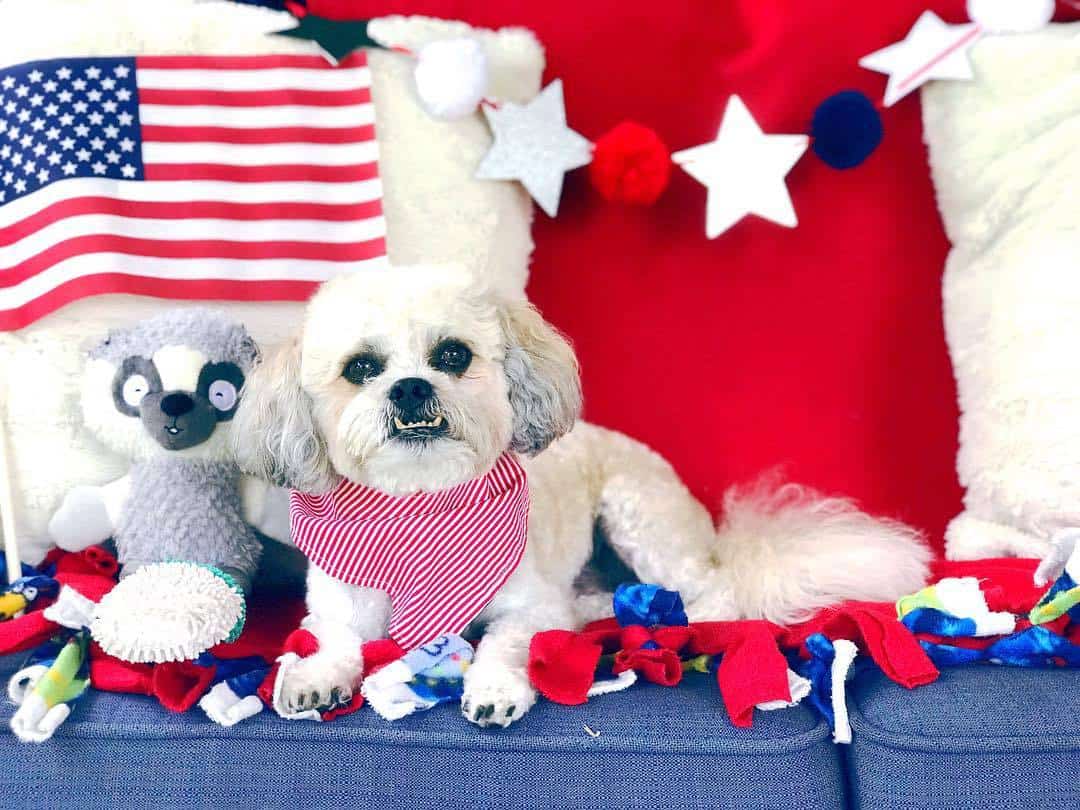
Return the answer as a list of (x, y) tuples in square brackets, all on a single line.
[(982, 611)]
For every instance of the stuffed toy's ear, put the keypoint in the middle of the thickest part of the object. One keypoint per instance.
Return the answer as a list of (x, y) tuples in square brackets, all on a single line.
[(274, 433), (542, 376)]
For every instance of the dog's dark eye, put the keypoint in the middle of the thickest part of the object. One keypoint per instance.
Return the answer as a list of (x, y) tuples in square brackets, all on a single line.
[(362, 368), (451, 356)]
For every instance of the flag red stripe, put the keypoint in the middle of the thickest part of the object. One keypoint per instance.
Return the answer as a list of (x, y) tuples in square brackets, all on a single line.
[(255, 98), (175, 289), (164, 134), (241, 212), (262, 174), (357, 59), (189, 249)]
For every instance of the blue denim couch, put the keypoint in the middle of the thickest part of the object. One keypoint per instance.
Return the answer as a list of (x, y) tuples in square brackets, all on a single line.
[(981, 736)]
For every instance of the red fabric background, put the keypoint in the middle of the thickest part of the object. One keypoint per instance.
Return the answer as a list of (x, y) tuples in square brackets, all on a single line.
[(818, 349)]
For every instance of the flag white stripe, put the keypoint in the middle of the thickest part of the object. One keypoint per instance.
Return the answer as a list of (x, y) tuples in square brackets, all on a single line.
[(262, 154), (354, 115), (183, 191), (195, 230), (91, 264), (253, 80)]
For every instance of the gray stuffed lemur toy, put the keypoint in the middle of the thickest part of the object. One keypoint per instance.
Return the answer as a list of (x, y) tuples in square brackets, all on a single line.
[(163, 393)]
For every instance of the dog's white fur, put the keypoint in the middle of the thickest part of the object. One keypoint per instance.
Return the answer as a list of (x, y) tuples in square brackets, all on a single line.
[(780, 555)]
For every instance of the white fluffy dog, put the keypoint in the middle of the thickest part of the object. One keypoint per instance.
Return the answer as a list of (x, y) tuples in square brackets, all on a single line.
[(499, 378)]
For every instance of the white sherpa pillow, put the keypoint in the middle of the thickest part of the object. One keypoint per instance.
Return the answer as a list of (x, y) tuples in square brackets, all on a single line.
[(1005, 154), (435, 212)]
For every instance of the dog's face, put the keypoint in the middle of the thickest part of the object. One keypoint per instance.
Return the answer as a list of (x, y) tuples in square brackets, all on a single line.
[(413, 380)]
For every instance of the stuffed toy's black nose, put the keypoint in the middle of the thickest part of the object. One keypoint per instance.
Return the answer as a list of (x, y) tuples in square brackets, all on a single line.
[(177, 404), (410, 394)]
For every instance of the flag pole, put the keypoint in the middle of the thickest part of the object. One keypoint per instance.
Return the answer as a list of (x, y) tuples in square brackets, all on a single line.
[(7, 497)]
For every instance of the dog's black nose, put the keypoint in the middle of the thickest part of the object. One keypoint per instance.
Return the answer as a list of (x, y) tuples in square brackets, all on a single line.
[(411, 393), (177, 405)]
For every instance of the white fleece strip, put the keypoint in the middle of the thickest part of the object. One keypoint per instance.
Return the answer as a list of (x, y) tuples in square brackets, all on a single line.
[(846, 652), (20, 684), (71, 609), (624, 680), (226, 708), (799, 687), (285, 663), (963, 597), (35, 722)]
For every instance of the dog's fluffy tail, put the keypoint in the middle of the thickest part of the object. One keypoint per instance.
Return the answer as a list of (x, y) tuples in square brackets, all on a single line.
[(786, 551)]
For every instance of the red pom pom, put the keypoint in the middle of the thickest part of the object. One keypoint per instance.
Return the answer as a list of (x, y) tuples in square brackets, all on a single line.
[(630, 164)]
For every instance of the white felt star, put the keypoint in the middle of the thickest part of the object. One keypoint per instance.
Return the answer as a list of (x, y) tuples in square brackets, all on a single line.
[(534, 145), (931, 50), (744, 171)]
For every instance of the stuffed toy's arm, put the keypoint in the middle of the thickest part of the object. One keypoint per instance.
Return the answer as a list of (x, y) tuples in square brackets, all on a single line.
[(1064, 556), (266, 507), (89, 515)]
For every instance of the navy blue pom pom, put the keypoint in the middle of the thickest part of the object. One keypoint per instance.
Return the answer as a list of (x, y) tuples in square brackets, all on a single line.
[(846, 129)]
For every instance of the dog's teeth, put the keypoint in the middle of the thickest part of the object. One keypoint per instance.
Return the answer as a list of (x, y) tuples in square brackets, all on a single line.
[(434, 423)]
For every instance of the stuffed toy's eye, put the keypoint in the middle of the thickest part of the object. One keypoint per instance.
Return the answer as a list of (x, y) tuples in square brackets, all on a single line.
[(451, 356), (135, 388), (222, 395), (362, 368), (29, 593)]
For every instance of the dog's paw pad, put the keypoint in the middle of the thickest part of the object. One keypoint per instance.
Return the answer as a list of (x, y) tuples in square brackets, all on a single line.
[(496, 696)]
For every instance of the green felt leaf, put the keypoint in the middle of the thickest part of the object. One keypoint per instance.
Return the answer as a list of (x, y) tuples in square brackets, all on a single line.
[(336, 38)]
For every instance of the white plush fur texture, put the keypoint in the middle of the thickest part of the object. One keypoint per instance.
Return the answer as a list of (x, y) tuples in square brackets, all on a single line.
[(434, 209), (780, 554), (1003, 150)]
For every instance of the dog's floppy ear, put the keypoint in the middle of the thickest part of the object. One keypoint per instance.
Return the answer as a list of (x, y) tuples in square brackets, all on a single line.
[(274, 433), (542, 376)]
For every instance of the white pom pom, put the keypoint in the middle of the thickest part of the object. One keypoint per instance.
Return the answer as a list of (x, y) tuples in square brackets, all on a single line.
[(167, 612), (451, 77), (1011, 16)]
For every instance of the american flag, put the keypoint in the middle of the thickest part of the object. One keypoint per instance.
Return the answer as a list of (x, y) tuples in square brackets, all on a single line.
[(441, 556), (251, 178)]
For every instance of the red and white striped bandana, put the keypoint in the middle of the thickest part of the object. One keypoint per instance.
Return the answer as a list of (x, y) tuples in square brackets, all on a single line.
[(441, 556)]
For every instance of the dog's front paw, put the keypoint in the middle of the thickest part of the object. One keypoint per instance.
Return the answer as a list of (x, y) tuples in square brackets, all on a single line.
[(496, 695), (316, 683)]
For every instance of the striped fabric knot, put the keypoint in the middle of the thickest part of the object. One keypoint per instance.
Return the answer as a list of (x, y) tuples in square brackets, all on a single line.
[(441, 556)]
